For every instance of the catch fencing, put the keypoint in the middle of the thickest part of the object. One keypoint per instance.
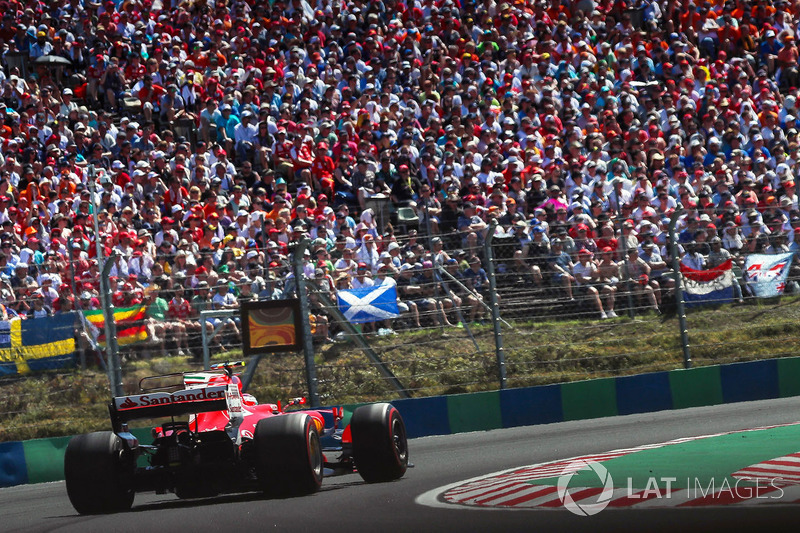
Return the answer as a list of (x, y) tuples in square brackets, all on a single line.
[(517, 327)]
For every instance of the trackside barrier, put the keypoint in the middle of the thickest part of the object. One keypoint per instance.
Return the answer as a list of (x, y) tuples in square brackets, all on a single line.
[(41, 460)]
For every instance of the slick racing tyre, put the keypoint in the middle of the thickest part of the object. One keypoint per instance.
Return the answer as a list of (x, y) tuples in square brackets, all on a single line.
[(380, 447), (99, 473), (288, 455)]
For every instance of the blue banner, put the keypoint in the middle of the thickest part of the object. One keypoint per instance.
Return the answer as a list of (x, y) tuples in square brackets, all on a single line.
[(766, 274), (369, 304), (37, 343)]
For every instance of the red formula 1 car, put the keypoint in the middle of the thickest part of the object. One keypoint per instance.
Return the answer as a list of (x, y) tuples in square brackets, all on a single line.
[(229, 443)]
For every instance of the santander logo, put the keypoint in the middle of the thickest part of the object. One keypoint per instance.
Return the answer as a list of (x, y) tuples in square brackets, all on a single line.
[(128, 404), (163, 398)]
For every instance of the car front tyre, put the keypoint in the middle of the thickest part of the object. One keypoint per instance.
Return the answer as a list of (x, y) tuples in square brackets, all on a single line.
[(380, 446)]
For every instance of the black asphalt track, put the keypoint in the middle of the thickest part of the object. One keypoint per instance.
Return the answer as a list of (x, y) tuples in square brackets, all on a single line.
[(348, 504)]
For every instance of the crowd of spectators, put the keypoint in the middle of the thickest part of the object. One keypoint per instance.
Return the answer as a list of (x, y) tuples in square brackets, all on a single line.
[(221, 132)]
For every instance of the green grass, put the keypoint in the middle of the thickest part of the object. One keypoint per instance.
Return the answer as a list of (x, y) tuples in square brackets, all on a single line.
[(432, 362)]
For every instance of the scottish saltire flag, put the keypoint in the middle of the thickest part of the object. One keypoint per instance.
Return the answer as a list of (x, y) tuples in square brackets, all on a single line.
[(766, 274), (369, 304), (37, 344), (712, 286)]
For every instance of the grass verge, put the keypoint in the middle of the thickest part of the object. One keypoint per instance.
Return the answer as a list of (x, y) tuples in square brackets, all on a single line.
[(432, 362)]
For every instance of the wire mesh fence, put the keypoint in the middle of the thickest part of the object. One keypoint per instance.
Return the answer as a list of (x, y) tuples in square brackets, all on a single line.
[(558, 324)]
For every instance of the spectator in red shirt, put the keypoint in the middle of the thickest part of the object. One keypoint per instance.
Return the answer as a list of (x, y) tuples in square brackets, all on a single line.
[(322, 168), (150, 96), (179, 312), (301, 155), (282, 155)]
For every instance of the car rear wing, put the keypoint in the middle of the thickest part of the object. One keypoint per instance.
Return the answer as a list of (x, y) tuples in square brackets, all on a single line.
[(164, 404)]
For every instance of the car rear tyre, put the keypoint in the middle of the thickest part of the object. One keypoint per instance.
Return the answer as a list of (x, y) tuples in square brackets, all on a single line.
[(289, 455), (380, 446), (99, 473)]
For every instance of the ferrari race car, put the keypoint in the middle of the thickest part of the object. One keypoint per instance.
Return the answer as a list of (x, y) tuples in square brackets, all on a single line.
[(229, 443)]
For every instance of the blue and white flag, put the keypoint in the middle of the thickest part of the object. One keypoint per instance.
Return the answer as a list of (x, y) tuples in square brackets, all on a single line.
[(369, 304), (713, 286), (766, 274)]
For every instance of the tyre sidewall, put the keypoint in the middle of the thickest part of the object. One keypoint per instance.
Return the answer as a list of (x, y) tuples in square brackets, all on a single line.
[(99, 473), (288, 455), (376, 454)]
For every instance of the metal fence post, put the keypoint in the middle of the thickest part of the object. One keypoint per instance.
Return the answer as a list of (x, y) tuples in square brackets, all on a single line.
[(628, 281), (112, 356), (205, 340), (114, 370), (498, 333), (676, 270), (308, 342), (76, 295)]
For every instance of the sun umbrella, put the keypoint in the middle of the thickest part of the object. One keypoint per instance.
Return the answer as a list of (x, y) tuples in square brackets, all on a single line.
[(52, 60)]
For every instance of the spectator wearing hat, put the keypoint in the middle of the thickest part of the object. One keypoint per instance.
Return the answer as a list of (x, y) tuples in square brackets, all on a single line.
[(322, 167), (172, 104), (768, 50), (41, 47), (141, 263), (224, 299), (406, 187), (583, 238), (347, 263), (282, 155), (38, 307), (367, 253), (362, 277), (789, 200), (245, 135), (226, 127), (661, 281), (732, 239), (777, 243), (719, 255), (471, 227)]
